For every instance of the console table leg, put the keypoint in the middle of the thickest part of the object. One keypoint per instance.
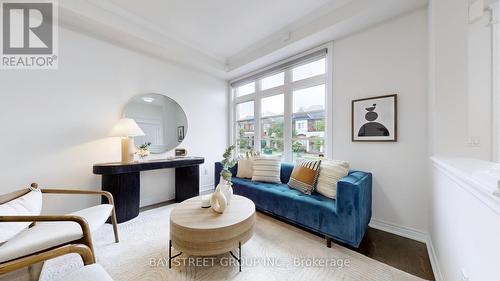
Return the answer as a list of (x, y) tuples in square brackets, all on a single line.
[(126, 192), (187, 182)]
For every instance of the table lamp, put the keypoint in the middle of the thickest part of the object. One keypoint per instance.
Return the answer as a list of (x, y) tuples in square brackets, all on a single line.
[(127, 129)]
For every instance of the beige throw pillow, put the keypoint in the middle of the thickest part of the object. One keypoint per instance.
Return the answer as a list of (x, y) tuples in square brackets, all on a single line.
[(245, 168), (266, 169), (330, 172)]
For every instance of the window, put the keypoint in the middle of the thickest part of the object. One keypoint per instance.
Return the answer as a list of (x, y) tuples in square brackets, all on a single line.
[(282, 111), (309, 113), (309, 70), (245, 126), (273, 81), (272, 125), (245, 89)]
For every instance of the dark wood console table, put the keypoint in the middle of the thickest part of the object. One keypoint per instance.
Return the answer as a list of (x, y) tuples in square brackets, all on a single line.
[(123, 181)]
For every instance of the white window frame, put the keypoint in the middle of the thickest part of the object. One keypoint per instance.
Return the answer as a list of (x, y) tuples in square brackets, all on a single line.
[(287, 89), (495, 81)]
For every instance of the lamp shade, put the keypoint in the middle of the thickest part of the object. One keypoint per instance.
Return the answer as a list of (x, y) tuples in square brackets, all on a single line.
[(126, 127)]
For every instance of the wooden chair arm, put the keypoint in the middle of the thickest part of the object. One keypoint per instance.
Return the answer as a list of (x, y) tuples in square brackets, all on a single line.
[(84, 251), (108, 195), (80, 220)]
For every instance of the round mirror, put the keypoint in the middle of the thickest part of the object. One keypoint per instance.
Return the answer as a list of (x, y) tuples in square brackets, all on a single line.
[(162, 120)]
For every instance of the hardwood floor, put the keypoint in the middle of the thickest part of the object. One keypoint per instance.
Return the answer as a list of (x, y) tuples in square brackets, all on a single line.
[(402, 253)]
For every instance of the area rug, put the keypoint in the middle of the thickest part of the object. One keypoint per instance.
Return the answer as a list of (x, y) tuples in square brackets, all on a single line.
[(277, 251)]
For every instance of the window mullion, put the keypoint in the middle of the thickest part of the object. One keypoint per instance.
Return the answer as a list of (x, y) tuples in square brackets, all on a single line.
[(287, 120), (257, 113), (329, 103), (232, 117)]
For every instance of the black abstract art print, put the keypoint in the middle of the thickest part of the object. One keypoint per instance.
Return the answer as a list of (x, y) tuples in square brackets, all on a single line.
[(375, 119)]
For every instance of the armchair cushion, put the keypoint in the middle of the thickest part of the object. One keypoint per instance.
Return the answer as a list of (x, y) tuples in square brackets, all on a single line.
[(96, 216), (30, 204), (45, 235)]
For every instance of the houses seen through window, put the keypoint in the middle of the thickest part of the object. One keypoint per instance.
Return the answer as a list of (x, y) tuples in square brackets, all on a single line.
[(245, 126), (309, 119), (290, 107)]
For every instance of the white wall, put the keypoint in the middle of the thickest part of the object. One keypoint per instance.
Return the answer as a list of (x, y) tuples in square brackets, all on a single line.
[(55, 123), (385, 59), (479, 95), (464, 231), (460, 86)]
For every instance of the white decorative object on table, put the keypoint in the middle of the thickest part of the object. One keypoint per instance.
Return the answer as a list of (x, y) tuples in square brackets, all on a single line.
[(205, 201), (218, 201), (226, 189), (225, 184)]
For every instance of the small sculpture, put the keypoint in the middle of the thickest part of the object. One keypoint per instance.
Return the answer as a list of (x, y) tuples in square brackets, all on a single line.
[(372, 129), (218, 201)]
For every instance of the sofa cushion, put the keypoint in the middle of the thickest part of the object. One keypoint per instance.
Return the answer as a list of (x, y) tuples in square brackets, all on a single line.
[(329, 174), (245, 168), (266, 169), (45, 235), (304, 176), (30, 204), (311, 211)]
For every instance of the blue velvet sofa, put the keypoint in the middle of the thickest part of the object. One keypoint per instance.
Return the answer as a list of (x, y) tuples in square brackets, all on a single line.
[(344, 219)]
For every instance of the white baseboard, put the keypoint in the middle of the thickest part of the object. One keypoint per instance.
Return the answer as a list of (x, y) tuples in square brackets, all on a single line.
[(413, 234), (206, 187), (152, 201), (403, 231), (434, 261)]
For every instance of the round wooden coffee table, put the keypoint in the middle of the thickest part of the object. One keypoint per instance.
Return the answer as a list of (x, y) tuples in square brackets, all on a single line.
[(203, 232)]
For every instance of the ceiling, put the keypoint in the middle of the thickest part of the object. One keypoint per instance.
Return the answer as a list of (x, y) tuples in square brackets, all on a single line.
[(222, 28), (226, 38)]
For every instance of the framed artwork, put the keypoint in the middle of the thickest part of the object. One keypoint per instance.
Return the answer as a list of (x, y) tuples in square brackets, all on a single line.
[(375, 119), (180, 133)]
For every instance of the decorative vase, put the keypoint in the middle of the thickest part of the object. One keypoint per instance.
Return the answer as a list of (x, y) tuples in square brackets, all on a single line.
[(226, 189), (218, 201)]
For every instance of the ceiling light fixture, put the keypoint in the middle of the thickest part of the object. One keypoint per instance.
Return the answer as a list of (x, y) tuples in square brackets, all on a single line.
[(148, 99)]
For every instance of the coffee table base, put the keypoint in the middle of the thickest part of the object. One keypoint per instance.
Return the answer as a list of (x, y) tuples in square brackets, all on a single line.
[(170, 257)]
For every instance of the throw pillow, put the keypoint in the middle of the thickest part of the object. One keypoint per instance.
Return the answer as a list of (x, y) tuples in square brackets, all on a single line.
[(266, 169), (330, 173), (304, 176), (29, 204), (245, 168)]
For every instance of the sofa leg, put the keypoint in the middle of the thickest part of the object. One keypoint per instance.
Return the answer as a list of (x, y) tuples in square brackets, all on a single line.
[(328, 242)]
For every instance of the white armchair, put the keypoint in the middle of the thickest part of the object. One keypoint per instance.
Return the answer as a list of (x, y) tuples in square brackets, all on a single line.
[(49, 233)]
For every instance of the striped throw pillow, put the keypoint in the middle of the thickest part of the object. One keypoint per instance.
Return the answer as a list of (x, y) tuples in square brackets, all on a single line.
[(266, 169), (304, 176), (330, 173)]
